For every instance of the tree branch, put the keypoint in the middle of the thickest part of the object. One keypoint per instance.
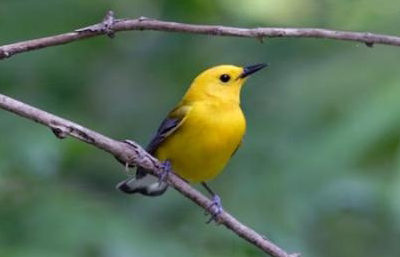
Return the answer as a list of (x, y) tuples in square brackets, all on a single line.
[(135, 155), (110, 25)]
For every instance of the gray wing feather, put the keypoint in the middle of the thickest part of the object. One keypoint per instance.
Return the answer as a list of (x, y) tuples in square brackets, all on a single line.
[(144, 183)]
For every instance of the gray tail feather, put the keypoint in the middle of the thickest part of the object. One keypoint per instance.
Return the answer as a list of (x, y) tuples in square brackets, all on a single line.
[(143, 183)]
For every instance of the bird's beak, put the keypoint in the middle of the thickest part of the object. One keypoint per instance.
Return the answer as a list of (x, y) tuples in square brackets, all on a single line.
[(248, 70)]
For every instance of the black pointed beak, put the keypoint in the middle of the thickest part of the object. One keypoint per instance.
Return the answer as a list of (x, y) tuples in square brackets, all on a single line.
[(248, 70)]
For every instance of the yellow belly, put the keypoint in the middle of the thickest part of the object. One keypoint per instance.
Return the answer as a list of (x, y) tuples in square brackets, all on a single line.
[(203, 144)]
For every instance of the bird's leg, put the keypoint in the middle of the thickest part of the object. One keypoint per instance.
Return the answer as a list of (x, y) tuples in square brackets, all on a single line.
[(215, 208), (166, 170), (127, 170)]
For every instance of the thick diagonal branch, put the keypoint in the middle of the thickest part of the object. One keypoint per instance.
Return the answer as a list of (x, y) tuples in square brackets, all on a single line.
[(109, 26), (135, 155)]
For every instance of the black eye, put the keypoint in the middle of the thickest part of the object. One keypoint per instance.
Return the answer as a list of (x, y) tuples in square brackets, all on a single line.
[(224, 77)]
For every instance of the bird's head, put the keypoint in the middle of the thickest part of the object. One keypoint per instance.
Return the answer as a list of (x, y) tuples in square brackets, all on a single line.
[(222, 83)]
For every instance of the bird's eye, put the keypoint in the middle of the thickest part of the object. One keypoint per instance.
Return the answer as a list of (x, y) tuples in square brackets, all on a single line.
[(224, 78)]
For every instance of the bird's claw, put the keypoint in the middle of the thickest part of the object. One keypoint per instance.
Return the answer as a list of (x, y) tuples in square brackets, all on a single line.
[(214, 209), (134, 147), (166, 170)]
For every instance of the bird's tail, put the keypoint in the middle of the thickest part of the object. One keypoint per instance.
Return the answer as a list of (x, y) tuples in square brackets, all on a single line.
[(143, 183)]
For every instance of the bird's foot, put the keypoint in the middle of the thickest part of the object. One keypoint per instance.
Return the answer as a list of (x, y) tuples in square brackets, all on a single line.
[(214, 209), (166, 170)]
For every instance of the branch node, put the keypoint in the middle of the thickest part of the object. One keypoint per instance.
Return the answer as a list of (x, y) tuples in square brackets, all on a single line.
[(4, 54), (144, 18), (264, 237), (369, 44), (130, 160), (218, 31), (259, 35), (107, 23), (59, 131), (105, 27), (139, 156)]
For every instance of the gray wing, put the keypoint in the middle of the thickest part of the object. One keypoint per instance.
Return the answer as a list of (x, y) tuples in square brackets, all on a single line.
[(144, 183)]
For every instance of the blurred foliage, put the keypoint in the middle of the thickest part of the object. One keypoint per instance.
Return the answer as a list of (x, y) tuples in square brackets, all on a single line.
[(318, 170)]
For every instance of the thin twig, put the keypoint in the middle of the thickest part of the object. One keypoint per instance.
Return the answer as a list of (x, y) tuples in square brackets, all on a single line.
[(134, 154), (109, 26)]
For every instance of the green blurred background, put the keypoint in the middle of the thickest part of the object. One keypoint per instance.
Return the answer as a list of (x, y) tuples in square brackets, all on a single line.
[(319, 170)]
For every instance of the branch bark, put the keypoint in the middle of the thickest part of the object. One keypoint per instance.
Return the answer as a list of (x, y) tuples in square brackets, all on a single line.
[(110, 25), (135, 155)]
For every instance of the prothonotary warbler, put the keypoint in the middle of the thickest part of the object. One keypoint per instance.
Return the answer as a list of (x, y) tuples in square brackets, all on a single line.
[(199, 136)]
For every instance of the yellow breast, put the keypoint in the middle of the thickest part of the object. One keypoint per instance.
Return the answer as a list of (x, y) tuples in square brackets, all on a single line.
[(204, 143)]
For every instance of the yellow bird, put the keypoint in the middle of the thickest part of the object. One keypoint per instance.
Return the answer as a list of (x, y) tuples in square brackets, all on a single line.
[(200, 134)]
